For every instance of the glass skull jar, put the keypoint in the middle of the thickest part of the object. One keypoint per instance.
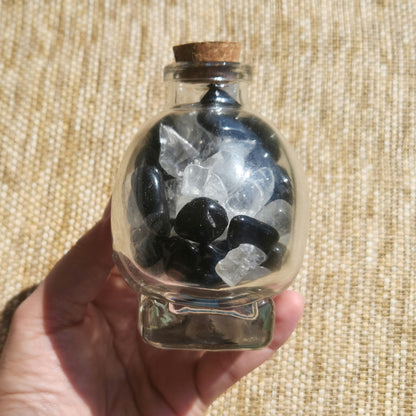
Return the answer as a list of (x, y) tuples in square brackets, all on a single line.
[(209, 215)]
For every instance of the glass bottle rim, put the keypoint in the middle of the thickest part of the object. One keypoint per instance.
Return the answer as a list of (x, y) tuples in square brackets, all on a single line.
[(207, 72)]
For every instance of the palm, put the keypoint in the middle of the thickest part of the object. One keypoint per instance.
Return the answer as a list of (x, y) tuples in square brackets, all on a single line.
[(74, 347), (151, 380)]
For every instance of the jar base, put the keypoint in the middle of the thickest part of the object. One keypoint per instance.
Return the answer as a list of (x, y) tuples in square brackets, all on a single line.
[(169, 325)]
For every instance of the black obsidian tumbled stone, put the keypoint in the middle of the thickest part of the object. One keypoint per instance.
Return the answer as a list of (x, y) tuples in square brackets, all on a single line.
[(217, 96), (282, 185), (201, 220), (259, 157), (151, 198), (149, 153), (221, 246), (181, 258), (148, 247), (205, 273), (275, 257), (248, 230), (224, 125), (265, 133), (212, 253), (148, 156)]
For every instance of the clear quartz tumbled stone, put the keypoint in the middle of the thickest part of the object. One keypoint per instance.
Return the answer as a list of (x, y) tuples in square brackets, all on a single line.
[(175, 151), (239, 263), (194, 179), (228, 166), (278, 214), (252, 194)]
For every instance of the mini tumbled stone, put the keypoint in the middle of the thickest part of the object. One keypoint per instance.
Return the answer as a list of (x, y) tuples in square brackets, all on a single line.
[(201, 220), (200, 181), (259, 157), (278, 214), (194, 179), (151, 198), (211, 254), (181, 258), (275, 257), (172, 188), (175, 151), (252, 194), (269, 140), (150, 152), (188, 127), (205, 273), (148, 247), (148, 156), (248, 230), (239, 263), (221, 245), (282, 185), (217, 96), (228, 166), (224, 125)]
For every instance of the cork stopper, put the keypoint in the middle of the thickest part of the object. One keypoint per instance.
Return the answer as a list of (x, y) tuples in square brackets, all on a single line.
[(208, 52)]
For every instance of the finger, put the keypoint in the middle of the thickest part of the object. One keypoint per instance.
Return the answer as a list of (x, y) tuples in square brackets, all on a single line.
[(79, 276), (217, 371)]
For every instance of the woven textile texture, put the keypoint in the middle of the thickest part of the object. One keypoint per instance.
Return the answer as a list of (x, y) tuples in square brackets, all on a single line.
[(338, 78)]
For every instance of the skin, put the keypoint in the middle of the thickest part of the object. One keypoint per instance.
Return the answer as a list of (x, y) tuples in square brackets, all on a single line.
[(73, 347)]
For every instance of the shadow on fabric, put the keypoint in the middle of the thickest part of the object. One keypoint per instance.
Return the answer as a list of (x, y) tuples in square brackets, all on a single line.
[(9, 310)]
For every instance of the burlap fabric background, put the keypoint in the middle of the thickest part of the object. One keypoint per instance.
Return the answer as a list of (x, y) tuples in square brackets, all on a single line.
[(77, 79)]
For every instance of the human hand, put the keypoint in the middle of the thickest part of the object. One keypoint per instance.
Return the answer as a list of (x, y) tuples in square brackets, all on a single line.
[(74, 348)]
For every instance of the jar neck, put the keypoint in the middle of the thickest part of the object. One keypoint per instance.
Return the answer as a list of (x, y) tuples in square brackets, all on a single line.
[(208, 83)]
